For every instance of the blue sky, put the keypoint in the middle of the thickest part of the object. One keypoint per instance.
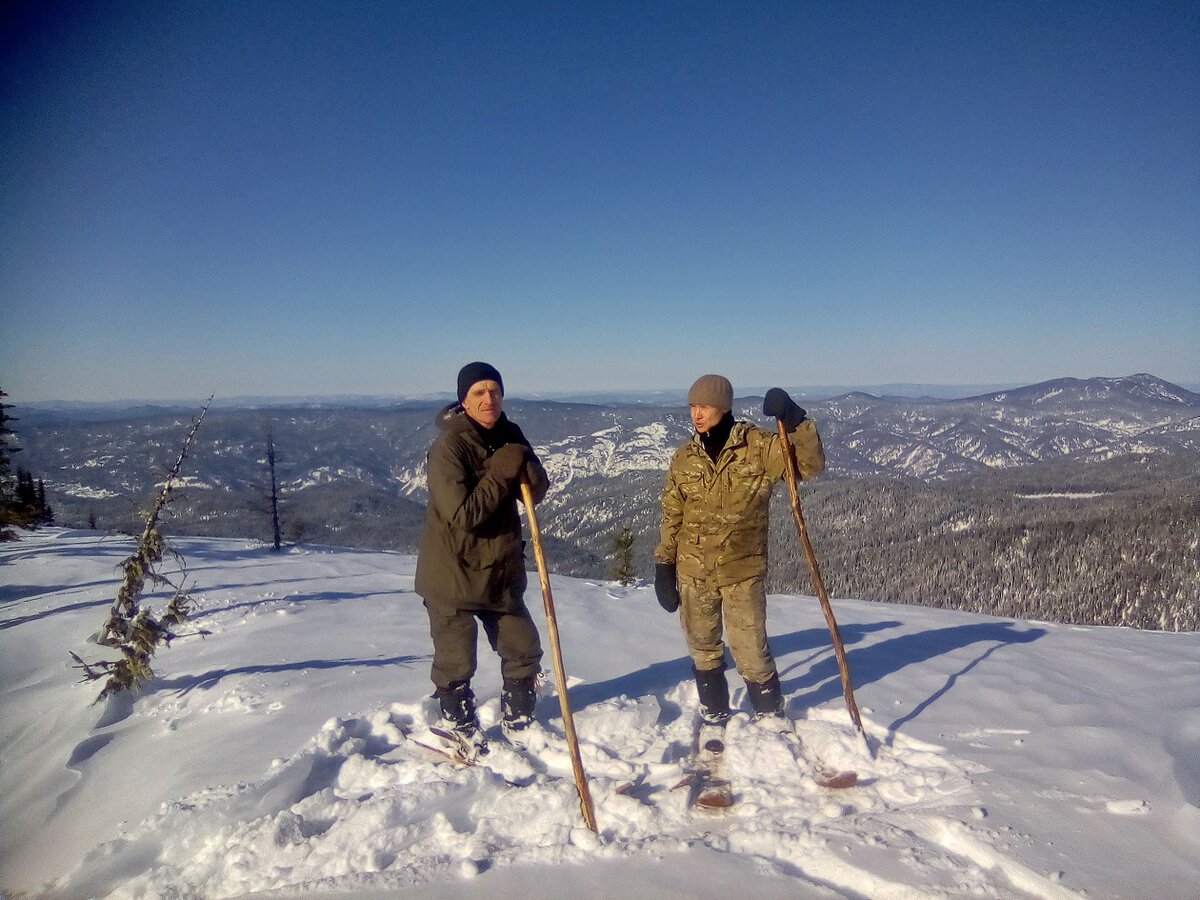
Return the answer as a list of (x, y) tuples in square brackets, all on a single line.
[(357, 198)]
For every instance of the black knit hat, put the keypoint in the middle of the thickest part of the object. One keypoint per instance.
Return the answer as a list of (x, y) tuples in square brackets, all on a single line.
[(474, 372)]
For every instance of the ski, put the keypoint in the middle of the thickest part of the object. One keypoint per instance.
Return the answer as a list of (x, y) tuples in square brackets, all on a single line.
[(823, 775), (461, 744), (508, 760), (451, 746), (442, 752), (707, 786), (836, 780)]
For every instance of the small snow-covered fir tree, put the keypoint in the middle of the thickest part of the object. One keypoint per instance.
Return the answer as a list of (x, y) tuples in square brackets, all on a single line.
[(622, 570), (131, 628)]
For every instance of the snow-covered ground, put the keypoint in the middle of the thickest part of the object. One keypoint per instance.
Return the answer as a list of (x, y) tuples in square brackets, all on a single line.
[(1007, 758)]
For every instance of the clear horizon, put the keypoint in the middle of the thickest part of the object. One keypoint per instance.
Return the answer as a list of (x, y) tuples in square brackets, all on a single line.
[(912, 390), (317, 198)]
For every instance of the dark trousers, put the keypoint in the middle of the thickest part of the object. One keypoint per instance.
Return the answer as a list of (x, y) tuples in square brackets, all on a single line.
[(455, 633)]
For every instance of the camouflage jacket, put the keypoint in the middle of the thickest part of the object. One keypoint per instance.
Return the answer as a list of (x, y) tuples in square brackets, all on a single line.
[(714, 515), (472, 554)]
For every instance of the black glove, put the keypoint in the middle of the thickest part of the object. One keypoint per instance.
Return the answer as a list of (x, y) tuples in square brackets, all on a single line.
[(508, 463), (666, 588), (778, 405)]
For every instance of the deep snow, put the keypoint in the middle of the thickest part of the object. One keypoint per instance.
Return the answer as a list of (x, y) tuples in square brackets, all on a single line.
[(1009, 758)]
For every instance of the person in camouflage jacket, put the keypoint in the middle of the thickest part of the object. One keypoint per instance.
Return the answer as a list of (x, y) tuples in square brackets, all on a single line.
[(471, 562), (711, 558)]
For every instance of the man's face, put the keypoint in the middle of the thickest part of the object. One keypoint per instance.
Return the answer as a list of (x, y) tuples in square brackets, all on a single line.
[(705, 417), (484, 403)]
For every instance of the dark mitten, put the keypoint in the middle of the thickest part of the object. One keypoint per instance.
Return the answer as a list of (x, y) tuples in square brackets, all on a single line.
[(508, 463), (666, 588), (778, 405)]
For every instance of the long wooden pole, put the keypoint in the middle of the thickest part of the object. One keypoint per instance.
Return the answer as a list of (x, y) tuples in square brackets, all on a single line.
[(560, 678), (818, 582)]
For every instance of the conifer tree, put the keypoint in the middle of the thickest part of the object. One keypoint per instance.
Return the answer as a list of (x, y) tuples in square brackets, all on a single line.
[(22, 500), (266, 500), (26, 495), (45, 515), (622, 544), (7, 497), (27, 506), (131, 628), (274, 488)]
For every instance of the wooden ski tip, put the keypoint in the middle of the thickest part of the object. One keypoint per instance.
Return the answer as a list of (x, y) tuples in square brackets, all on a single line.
[(720, 799), (838, 779), (444, 753)]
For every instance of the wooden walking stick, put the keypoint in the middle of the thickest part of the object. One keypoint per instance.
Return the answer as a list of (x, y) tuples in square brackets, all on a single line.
[(818, 582), (560, 678)]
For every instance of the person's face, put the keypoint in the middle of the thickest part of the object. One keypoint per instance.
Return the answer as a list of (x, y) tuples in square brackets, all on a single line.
[(705, 417), (484, 403)]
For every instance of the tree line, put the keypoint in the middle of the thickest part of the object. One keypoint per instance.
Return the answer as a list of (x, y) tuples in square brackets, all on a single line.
[(22, 497), (1118, 547)]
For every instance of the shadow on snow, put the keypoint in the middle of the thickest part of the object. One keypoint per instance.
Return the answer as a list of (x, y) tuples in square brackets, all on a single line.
[(820, 681), (206, 680)]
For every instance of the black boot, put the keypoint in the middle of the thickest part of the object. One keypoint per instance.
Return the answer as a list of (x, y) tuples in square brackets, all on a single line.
[(714, 695), (766, 698), (458, 707), (517, 700)]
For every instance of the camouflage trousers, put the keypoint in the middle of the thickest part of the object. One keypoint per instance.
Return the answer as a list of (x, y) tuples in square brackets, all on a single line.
[(742, 609)]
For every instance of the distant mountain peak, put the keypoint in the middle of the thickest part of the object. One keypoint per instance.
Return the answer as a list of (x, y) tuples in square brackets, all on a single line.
[(1141, 387)]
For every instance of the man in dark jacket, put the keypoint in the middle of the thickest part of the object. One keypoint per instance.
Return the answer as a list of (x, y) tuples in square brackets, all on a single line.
[(471, 563)]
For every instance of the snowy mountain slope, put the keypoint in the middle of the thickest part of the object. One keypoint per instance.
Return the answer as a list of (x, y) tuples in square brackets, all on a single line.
[(928, 439), (356, 477), (1074, 394), (385, 448), (1011, 758)]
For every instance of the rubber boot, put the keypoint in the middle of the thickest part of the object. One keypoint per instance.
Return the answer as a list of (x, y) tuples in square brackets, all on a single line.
[(714, 696), (766, 698), (458, 707), (517, 700)]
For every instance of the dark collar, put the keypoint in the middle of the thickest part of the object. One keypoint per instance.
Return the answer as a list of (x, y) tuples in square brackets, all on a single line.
[(495, 437), (713, 441)]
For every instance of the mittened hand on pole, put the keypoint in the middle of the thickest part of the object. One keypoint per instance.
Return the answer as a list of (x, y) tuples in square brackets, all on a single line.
[(666, 586), (779, 405), (508, 463)]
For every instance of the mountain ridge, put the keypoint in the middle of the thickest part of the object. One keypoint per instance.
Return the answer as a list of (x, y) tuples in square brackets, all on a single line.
[(957, 470)]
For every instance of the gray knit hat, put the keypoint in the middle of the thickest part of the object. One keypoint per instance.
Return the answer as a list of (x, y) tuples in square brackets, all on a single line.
[(712, 390)]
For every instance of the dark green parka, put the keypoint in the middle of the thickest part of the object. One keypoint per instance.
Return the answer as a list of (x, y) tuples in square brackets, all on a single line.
[(471, 554)]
